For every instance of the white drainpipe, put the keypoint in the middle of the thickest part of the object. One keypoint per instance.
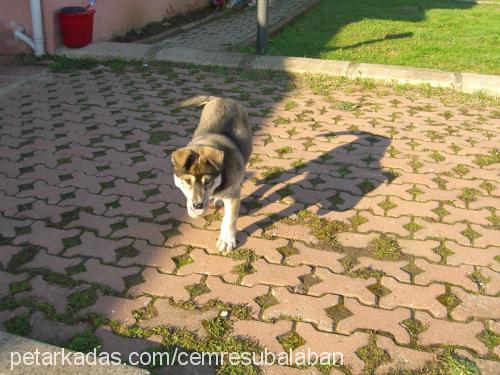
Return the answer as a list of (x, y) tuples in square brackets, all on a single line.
[(37, 42)]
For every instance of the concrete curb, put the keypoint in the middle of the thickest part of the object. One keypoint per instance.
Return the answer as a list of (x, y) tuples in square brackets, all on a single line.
[(10, 343), (466, 82)]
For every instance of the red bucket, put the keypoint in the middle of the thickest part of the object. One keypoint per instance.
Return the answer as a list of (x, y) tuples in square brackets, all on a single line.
[(77, 25)]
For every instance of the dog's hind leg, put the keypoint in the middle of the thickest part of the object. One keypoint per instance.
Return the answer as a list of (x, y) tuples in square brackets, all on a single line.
[(227, 237)]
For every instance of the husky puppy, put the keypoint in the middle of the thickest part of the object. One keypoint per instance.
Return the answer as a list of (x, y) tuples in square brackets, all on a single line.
[(213, 164)]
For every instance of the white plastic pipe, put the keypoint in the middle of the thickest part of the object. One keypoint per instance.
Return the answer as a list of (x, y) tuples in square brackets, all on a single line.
[(19, 33), (37, 23), (37, 42)]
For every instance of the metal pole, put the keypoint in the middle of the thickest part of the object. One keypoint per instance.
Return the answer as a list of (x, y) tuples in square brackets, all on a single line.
[(262, 22)]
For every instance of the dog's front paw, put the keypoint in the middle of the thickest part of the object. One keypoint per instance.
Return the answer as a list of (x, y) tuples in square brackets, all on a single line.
[(226, 241)]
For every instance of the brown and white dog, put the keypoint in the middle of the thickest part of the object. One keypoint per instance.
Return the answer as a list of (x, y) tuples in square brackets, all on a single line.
[(212, 165)]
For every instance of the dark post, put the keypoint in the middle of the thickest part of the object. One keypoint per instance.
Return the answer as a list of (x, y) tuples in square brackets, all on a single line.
[(262, 21)]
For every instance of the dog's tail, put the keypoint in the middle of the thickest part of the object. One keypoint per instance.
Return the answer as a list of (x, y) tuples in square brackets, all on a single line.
[(195, 101)]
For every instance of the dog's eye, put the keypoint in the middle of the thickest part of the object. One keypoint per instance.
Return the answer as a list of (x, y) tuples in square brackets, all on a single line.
[(207, 182), (187, 180)]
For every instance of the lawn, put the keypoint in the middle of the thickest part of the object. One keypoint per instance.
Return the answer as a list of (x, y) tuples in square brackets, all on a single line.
[(447, 35)]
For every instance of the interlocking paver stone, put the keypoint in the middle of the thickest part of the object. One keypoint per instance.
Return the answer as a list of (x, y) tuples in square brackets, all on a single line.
[(413, 296), (233, 294), (124, 345), (211, 265), (271, 274), (173, 316), (155, 256), (103, 274), (321, 342), (119, 309), (7, 278), (55, 332), (6, 253), (376, 319), (302, 307), (313, 257), (165, 285), (442, 331), (53, 294), (343, 285), (447, 274), (48, 237), (475, 306), (265, 333), (401, 358), (52, 262)]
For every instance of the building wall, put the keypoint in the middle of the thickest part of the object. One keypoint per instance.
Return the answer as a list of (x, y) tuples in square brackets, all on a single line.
[(112, 17)]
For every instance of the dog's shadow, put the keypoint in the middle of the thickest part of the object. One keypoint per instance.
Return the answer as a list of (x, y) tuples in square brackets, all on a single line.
[(335, 181)]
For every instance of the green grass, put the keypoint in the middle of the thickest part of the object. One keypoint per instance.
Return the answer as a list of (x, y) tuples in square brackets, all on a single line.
[(447, 35)]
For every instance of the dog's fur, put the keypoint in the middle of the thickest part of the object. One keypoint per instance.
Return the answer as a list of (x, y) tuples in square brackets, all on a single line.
[(213, 164)]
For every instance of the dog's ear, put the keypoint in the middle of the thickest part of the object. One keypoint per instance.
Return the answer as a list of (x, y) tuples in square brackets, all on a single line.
[(212, 156), (183, 158)]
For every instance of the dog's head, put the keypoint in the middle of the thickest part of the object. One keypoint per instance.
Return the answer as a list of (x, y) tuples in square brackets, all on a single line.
[(197, 172)]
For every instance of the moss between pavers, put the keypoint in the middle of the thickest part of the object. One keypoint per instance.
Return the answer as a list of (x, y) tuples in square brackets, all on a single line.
[(56, 278), (283, 151), (18, 287), (72, 270), (470, 234), (443, 251), (338, 312), (414, 328), (244, 269), (453, 364), (289, 105), (131, 280), (488, 187), (82, 298), (271, 173), (287, 251), (323, 229), (449, 300), (469, 195), (267, 300), (146, 312), (182, 260), (309, 280), (128, 251), (372, 355), (22, 257), (284, 191), (378, 290), (486, 160), (84, 342), (291, 340), (18, 325), (386, 247), (357, 220), (196, 290), (448, 363), (212, 217), (489, 338), (481, 280)]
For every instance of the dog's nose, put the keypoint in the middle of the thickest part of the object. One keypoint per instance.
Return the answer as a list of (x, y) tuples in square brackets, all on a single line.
[(197, 206)]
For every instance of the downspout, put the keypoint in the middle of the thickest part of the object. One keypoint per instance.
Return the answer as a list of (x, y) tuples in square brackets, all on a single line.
[(37, 42)]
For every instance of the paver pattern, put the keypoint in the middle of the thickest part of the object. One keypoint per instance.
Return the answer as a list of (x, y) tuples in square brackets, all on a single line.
[(369, 220), (234, 29)]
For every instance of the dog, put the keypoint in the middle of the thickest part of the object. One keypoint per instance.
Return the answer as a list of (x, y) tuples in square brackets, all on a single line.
[(213, 164)]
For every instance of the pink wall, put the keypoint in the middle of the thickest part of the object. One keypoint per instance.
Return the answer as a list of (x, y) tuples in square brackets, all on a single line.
[(112, 17)]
